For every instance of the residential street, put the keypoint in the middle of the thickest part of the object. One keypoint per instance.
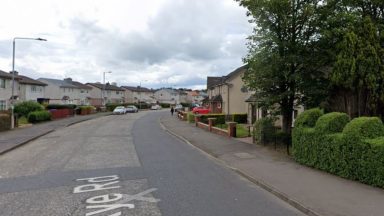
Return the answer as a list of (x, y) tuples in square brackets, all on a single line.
[(124, 165)]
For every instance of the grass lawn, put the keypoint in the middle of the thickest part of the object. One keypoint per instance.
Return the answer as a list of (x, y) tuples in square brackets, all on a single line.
[(241, 129), (23, 120)]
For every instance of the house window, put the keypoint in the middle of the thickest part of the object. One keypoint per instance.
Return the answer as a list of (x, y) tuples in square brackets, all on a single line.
[(2, 104), (117, 92), (81, 91), (2, 83), (33, 89)]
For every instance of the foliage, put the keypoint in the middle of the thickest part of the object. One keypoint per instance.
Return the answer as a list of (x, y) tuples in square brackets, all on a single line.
[(264, 130), (5, 121), (39, 116), (165, 105), (284, 65), (61, 106), (355, 153), (190, 117), (241, 118), (23, 108), (308, 118), (241, 131), (220, 118)]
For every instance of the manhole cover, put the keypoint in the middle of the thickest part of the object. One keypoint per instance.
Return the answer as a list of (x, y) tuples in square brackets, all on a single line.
[(244, 155)]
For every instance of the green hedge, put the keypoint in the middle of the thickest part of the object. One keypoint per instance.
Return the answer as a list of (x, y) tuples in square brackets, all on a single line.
[(351, 149), (241, 118), (23, 108), (5, 122), (220, 118), (39, 116), (61, 106), (308, 118), (190, 117)]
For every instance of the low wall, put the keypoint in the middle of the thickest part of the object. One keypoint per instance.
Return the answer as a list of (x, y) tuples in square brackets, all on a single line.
[(61, 113)]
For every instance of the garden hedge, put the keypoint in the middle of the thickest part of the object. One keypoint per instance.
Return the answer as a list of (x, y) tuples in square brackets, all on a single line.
[(264, 130), (5, 121), (39, 116), (23, 108), (351, 149)]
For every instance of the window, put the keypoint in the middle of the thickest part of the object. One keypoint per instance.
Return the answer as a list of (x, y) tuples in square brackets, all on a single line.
[(2, 105), (2, 83), (33, 89), (117, 92)]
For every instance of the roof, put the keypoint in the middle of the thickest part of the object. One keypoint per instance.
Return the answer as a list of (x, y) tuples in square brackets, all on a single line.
[(81, 85), (217, 98), (60, 83), (27, 80), (236, 72), (214, 81), (6, 75), (106, 86), (137, 89)]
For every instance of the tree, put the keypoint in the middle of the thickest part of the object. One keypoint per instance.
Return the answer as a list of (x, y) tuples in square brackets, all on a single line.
[(358, 69), (284, 68)]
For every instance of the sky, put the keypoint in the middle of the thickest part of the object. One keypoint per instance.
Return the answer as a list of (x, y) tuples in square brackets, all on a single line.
[(152, 43)]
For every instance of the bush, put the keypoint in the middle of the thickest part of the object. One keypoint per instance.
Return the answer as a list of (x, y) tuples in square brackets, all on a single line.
[(308, 118), (23, 108), (332, 122), (5, 122), (39, 116), (165, 105), (353, 150), (61, 106), (220, 118), (240, 118), (264, 130), (190, 117)]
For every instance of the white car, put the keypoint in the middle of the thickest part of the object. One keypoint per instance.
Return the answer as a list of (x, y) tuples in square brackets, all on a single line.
[(155, 107), (131, 109), (119, 110)]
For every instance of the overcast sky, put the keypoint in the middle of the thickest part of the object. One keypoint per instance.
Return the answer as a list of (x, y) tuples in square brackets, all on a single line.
[(160, 43)]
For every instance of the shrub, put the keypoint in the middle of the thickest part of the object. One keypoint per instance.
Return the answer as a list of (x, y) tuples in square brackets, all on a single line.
[(264, 130), (190, 117), (353, 150), (240, 118), (220, 118), (308, 118), (39, 116), (61, 106), (23, 108), (5, 121), (165, 105), (331, 122)]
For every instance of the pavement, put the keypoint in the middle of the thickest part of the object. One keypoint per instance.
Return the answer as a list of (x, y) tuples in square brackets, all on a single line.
[(312, 191), (12, 139)]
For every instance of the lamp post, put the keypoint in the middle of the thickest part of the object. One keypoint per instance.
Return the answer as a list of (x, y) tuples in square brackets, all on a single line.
[(13, 74), (103, 91)]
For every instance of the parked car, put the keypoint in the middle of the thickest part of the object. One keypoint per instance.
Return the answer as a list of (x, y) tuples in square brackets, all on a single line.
[(200, 110), (119, 110), (131, 109), (155, 107), (178, 107)]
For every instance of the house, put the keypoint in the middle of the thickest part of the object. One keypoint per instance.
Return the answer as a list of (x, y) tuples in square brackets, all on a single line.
[(66, 91), (101, 94), (31, 90), (196, 97), (170, 96), (6, 89), (138, 94), (228, 94)]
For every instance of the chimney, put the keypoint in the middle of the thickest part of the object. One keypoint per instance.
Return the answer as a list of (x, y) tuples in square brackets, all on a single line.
[(114, 83), (16, 73)]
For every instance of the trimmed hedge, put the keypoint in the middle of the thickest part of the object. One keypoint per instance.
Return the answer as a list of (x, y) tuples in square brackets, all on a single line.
[(39, 116), (241, 118), (190, 117), (61, 106), (220, 118), (351, 149), (308, 118), (23, 108)]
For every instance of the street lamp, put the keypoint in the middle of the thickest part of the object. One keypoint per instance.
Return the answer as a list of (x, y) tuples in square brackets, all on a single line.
[(103, 91), (140, 94), (13, 74)]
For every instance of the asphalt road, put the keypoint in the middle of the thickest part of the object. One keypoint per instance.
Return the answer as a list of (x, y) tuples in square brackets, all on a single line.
[(124, 165)]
